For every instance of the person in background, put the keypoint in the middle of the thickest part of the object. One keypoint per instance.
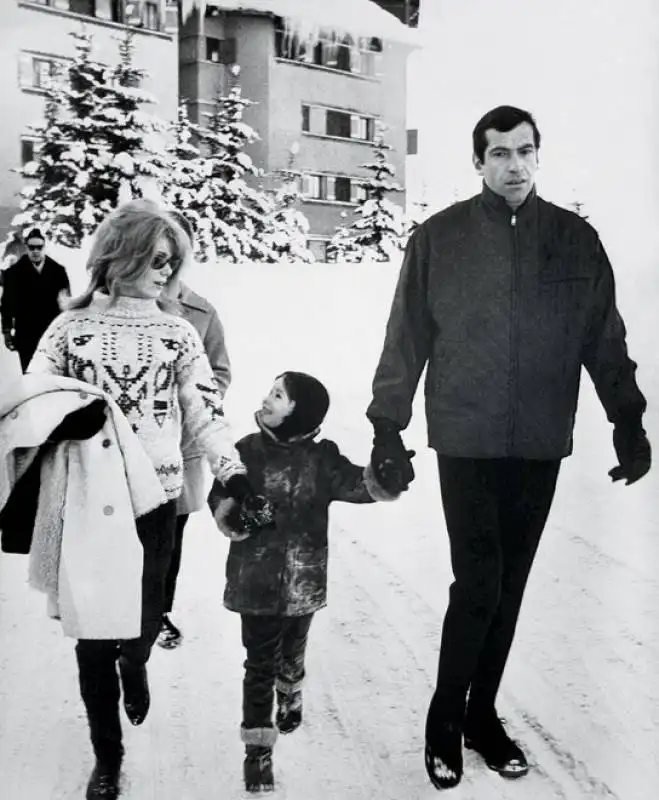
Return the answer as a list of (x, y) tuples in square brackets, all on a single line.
[(33, 290), (202, 315), (504, 297), (121, 336)]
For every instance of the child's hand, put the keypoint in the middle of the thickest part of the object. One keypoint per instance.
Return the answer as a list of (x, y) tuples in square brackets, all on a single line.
[(256, 512)]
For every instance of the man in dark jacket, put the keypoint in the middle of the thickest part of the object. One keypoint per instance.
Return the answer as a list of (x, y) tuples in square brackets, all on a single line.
[(32, 291), (503, 297)]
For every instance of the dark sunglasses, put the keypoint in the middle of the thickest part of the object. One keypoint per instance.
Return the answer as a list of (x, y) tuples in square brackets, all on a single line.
[(35, 247), (160, 261)]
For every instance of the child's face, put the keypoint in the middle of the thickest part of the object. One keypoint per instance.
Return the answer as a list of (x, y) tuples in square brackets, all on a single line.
[(277, 405)]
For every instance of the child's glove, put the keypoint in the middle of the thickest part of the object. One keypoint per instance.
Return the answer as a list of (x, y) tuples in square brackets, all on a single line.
[(250, 518), (253, 510)]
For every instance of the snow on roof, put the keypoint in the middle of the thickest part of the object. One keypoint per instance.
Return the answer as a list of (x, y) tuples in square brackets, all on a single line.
[(356, 17)]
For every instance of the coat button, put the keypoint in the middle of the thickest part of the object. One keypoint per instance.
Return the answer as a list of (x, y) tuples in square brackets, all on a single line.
[(106, 442), (83, 395), (14, 415), (108, 511)]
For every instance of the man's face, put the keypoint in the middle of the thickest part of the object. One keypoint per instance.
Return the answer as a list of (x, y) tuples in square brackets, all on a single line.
[(35, 249), (509, 163)]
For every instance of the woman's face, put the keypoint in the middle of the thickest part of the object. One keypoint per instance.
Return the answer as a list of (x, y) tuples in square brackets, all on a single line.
[(152, 281)]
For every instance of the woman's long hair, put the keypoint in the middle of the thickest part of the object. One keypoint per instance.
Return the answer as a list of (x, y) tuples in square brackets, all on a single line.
[(124, 246)]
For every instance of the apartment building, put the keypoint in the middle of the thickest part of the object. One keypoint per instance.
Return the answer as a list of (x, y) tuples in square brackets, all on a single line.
[(318, 88), (34, 37)]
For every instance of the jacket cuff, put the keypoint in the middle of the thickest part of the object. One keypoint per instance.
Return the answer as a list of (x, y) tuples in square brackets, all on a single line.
[(382, 425), (221, 509), (375, 488)]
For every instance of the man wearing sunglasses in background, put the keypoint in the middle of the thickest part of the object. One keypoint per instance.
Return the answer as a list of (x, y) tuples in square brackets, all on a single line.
[(32, 291)]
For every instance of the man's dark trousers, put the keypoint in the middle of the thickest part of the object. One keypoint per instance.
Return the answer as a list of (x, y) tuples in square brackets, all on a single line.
[(495, 511)]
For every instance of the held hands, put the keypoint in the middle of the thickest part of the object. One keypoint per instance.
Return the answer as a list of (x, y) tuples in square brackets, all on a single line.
[(634, 453), (253, 510), (390, 461)]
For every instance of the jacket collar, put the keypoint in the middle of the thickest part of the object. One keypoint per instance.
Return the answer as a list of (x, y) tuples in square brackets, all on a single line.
[(271, 435), (191, 299), (498, 204)]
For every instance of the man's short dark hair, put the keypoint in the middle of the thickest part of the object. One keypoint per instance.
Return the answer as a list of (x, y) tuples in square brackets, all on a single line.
[(184, 222), (504, 119), (35, 233)]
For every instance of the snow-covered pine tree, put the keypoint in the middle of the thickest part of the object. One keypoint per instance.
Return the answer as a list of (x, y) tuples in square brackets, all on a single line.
[(289, 227), (185, 184), (133, 137), (60, 200), (342, 248), (236, 219), (379, 231), (108, 153), (42, 196)]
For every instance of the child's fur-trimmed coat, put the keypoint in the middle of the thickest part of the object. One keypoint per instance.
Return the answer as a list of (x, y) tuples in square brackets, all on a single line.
[(281, 569)]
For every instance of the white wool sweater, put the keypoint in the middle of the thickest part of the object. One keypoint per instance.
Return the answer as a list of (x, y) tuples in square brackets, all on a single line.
[(154, 366)]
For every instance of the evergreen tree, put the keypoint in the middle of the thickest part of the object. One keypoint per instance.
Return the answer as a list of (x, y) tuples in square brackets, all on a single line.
[(289, 232), (105, 144), (186, 182), (379, 232), (236, 220)]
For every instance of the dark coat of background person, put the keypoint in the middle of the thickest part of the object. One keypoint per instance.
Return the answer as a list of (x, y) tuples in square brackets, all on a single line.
[(29, 302)]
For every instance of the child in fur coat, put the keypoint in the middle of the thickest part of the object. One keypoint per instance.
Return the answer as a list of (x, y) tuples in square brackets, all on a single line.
[(277, 572)]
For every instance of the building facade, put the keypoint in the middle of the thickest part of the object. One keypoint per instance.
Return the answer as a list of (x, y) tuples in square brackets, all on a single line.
[(35, 36), (317, 94)]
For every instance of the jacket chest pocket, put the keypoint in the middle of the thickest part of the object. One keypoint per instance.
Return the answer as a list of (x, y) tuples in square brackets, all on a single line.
[(564, 287)]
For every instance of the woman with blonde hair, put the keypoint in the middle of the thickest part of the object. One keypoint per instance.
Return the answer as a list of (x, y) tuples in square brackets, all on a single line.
[(120, 335)]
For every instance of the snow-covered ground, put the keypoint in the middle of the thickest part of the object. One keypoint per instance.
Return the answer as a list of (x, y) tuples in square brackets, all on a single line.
[(582, 686)]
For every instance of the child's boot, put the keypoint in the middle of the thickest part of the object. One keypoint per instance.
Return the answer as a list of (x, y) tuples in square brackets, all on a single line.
[(289, 710), (257, 767)]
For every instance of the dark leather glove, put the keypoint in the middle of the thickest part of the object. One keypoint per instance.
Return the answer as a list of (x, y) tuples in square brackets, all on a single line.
[(390, 461), (81, 424), (10, 343), (633, 450), (255, 511)]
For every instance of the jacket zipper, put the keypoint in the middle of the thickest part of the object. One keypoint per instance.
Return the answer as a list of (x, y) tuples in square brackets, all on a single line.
[(514, 333)]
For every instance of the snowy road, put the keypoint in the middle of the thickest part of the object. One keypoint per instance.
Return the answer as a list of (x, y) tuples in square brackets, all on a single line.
[(582, 686)]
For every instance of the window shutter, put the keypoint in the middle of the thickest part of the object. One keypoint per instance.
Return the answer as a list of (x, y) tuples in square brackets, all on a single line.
[(330, 188), (228, 51)]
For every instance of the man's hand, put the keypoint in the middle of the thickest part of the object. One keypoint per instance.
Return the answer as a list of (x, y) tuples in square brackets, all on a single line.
[(390, 461), (633, 450), (8, 336)]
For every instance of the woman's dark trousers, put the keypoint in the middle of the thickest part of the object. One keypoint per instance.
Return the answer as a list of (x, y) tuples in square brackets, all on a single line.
[(175, 563), (275, 648), (97, 668), (495, 511)]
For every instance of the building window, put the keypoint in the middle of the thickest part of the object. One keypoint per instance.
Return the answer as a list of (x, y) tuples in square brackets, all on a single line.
[(29, 150), (221, 51), (332, 122), (136, 13), (332, 188), (412, 142), (35, 70), (357, 56)]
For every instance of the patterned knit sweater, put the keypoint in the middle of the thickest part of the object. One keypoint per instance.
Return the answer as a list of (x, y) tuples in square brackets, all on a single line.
[(154, 366)]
